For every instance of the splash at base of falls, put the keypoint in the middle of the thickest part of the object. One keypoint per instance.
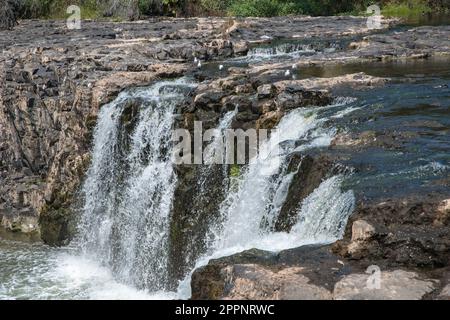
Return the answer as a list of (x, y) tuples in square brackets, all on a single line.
[(121, 252)]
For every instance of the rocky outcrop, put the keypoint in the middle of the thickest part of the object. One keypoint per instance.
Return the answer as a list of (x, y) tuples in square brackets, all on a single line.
[(402, 232), (199, 191), (309, 171), (414, 44), (54, 80), (308, 273), (392, 285)]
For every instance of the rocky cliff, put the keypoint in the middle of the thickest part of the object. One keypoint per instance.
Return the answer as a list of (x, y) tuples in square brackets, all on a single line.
[(54, 80)]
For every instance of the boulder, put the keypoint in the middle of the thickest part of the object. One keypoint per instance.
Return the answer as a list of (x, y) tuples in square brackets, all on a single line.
[(391, 285), (306, 273)]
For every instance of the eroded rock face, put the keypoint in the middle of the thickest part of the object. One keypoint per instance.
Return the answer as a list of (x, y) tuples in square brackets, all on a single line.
[(252, 282)]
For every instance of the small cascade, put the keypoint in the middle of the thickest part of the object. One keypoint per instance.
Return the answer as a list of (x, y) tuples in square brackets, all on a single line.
[(285, 49), (250, 211)]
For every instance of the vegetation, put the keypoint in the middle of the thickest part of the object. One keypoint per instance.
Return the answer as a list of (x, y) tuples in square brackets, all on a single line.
[(406, 8), (133, 9)]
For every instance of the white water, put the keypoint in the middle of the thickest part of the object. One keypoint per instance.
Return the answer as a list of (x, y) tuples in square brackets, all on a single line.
[(252, 206), (128, 195), (128, 199)]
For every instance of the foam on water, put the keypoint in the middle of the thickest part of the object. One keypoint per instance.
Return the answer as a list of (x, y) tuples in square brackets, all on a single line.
[(124, 230)]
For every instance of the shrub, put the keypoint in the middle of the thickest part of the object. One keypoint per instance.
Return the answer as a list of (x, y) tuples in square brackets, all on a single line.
[(8, 11), (406, 8), (263, 8)]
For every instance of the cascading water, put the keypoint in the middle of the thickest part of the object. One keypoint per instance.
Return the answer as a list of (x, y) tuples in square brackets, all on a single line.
[(251, 210), (254, 200), (129, 188)]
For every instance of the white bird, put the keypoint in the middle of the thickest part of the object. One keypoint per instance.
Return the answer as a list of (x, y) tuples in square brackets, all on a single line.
[(294, 67), (287, 73), (199, 64), (294, 77), (221, 67), (195, 60)]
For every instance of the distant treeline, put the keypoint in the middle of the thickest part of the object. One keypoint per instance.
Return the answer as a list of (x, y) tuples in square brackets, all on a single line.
[(134, 9)]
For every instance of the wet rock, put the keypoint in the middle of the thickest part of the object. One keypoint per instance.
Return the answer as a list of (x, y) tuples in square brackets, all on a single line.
[(308, 172), (308, 272), (252, 282), (240, 48), (266, 91), (199, 193), (368, 139), (391, 285), (269, 120), (206, 99), (23, 221)]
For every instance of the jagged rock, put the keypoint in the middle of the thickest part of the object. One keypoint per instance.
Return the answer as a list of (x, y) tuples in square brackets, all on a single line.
[(391, 285), (308, 272), (405, 234), (266, 91), (252, 282), (445, 293), (309, 172)]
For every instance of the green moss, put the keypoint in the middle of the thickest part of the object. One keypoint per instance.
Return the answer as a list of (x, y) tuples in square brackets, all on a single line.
[(235, 171)]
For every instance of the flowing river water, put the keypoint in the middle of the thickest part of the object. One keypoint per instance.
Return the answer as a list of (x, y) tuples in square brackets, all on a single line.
[(121, 251)]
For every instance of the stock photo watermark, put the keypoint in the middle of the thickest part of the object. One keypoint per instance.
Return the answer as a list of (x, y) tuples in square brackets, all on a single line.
[(374, 21), (226, 147), (374, 280), (74, 20)]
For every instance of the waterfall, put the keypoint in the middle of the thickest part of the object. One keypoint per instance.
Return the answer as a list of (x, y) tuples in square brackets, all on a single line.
[(249, 212), (255, 198), (129, 187)]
